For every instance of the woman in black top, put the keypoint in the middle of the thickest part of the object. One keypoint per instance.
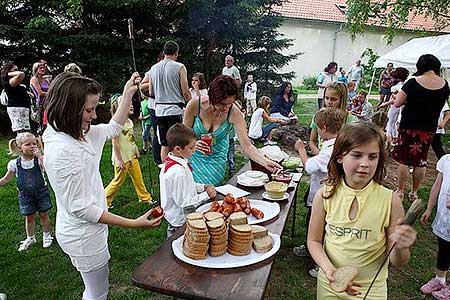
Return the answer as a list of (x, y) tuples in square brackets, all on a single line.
[(423, 96), (18, 99)]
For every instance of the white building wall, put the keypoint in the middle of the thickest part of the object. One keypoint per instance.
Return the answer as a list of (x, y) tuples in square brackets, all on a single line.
[(316, 39)]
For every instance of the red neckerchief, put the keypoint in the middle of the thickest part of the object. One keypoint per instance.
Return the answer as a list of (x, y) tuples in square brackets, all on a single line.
[(169, 162)]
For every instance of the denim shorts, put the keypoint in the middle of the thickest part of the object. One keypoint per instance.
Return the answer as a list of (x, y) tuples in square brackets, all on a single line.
[(385, 91), (31, 202), (146, 132)]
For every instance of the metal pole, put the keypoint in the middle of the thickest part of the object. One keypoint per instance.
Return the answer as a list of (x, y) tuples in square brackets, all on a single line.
[(130, 32)]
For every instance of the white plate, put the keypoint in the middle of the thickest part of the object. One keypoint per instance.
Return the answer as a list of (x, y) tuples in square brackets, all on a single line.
[(252, 184), (227, 260), (265, 195), (228, 188), (254, 174), (270, 210)]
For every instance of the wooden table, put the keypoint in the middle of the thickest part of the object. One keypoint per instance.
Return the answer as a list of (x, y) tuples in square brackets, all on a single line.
[(162, 272)]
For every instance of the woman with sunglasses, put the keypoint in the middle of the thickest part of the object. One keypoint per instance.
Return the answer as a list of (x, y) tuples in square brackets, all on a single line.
[(215, 114)]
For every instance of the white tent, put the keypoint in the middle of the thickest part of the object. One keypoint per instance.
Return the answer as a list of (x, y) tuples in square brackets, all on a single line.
[(407, 54)]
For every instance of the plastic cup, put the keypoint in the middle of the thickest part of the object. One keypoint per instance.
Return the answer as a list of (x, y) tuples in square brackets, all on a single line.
[(207, 138)]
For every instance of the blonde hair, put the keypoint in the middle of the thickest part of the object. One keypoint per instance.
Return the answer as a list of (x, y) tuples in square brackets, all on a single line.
[(115, 100), (72, 67), (264, 103), (341, 90), (20, 139)]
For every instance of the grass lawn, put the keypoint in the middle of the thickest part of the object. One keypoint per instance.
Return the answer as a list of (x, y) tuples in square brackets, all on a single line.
[(48, 274)]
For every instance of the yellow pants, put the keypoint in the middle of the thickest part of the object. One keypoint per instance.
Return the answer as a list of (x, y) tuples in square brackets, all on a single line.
[(133, 168)]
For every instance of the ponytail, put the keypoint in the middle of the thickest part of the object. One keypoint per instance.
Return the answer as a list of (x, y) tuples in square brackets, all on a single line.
[(13, 148)]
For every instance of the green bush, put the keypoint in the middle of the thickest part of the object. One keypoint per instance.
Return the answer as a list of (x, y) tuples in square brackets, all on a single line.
[(309, 82)]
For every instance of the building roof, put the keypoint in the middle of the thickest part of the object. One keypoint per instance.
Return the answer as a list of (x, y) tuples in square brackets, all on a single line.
[(334, 11)]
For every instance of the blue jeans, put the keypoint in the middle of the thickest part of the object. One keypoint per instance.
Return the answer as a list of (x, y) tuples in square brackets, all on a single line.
[(267, 129), (230, 156)]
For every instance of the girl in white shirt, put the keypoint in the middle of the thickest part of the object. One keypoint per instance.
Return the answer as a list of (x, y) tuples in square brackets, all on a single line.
[(73, 149), (256, 130)]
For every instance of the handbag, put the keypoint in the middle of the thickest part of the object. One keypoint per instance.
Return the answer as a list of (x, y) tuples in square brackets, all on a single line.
[(4, 98), (35, 113)]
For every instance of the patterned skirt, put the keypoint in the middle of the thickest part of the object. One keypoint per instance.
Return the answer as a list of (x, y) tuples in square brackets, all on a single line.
[(20, 118), (412, 148)]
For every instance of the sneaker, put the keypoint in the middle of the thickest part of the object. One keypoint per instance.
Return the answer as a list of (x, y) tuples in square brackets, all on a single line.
[(24, 245), (269, 142), (47, 240), (443, 294), (143, 151), (433, 285), (301, 251), (151, 202), (314, 272)]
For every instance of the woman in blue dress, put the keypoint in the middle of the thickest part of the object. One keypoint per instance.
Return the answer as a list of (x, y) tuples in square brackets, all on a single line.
[(215, 114)]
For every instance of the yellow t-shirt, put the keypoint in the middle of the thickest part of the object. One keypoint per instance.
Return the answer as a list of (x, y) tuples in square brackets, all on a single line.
[(127, 144), (361, 242)]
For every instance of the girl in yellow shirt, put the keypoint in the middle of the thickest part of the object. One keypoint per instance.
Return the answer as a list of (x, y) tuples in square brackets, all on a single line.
[(358, 217)]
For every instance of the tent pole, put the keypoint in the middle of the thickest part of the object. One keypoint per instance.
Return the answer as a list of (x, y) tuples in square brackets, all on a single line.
[(371, 83)]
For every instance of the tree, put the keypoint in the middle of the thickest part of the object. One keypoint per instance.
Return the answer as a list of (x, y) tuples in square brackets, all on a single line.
[(245, 29), (393, 14), (94, 34)]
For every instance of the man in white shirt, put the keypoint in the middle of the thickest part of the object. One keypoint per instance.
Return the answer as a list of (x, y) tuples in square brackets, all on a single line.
[(250, 89), (356, 73), (231, 70)]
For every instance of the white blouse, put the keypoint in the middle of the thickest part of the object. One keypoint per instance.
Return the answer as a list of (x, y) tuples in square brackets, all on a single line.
[(73, 170)]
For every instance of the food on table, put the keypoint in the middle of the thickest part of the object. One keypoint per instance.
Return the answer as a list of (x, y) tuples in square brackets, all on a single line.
[(214, 206), (275, 189), (196, 238), (238, 218), (212, 215), (213, 236), (259, 231), (291, 163), (240, 239), (157, 212), (194, 216), (231, 205), (342, 278), (218, 237), (282, 176), (262, 241), (257, 213)]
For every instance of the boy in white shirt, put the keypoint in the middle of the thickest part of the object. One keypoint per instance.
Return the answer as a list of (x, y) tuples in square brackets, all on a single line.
[(329, 121), (177, 186)]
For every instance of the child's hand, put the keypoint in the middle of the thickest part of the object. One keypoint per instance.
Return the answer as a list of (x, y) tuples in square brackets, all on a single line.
[(329, 274), (299, 145), (210, 190), (404, 235), (425, 216), (37, 152), (120, 164), (143, 220)]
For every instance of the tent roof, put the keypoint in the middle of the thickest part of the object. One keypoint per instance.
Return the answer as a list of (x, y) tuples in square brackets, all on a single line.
[(407, 54)]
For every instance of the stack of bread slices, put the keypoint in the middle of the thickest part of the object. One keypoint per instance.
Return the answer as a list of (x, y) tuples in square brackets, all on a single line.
[(240, 235), (218, 233), (262, 241), (196, 237)]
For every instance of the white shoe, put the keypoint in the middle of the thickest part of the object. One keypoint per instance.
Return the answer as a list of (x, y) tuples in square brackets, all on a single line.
[(314, 272), (47, 240), (24, 245)]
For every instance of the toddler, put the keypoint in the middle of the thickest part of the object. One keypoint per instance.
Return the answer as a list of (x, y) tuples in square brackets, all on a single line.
[(34, 195)]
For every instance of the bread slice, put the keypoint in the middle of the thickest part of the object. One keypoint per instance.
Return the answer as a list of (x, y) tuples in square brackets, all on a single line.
[(215, 224), (343, 276), (199, 225), (263, 244), (259, 231), (213, 215), (194, 216), (238, 218), (242, 229)]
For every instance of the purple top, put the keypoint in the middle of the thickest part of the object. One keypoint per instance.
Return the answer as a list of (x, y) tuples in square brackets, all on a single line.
[(40, 100)]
